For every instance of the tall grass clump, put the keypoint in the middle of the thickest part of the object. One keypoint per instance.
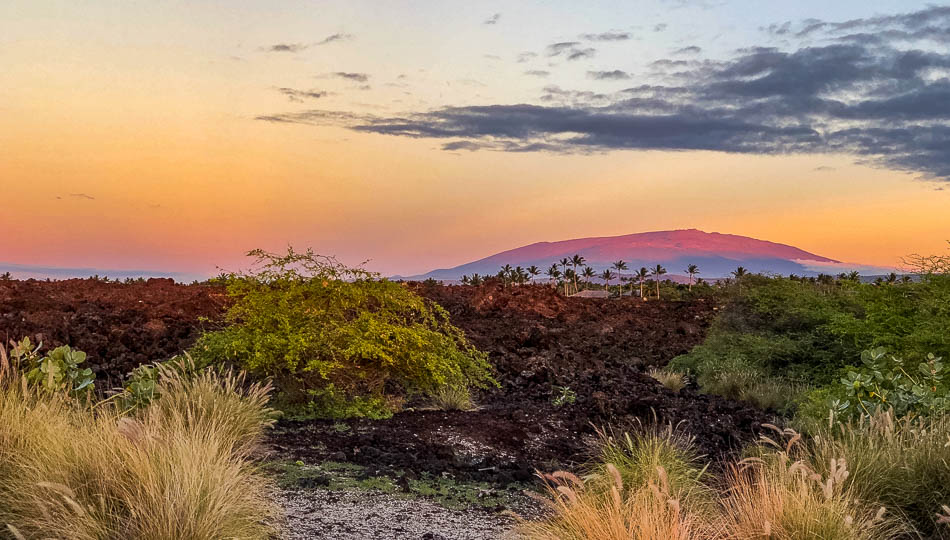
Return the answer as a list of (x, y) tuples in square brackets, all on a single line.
[(781, 495), (647, 486), (673, 380), (178, 468), (900, 463)]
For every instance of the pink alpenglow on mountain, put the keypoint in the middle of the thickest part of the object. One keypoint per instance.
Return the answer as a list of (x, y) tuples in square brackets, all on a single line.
[(716, 254)]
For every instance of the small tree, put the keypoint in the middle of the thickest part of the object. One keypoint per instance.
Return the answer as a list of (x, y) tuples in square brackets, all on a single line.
[(566, 263), (657, 272)]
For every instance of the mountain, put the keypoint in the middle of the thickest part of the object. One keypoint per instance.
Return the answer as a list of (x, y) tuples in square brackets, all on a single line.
[(715, 254)]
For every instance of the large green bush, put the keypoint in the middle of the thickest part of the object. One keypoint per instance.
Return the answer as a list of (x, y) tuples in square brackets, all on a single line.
[(806, 332), (339, 341)]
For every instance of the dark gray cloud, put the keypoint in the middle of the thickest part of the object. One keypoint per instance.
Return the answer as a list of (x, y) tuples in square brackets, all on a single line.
[(299, 96), (692, 49), (884, 101), (537, 73), (607, 36), (615, 75), (493, 19), (572, 50)]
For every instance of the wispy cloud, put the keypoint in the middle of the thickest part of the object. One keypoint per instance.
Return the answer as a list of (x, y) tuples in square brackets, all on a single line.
[(526, 56), (350, 76), (692, 49), (299, 96), (537, 73), (572, 50), (82, 196), (493, 19), (607, 36), (615, 75), (298, 47)]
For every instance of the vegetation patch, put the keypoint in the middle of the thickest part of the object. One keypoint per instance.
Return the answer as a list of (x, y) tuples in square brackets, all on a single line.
[(337, 341)]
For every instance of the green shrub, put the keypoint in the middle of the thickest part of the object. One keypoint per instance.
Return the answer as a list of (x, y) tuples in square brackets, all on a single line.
[(888, 382), (339, 341), (58, 371)]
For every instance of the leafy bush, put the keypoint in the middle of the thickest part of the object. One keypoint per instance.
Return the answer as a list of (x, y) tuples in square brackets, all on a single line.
[(786, 335), (339, 341), (58, 371), (888, 382)]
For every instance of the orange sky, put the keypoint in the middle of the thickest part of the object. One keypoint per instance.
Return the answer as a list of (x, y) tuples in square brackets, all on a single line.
[(127, 152)]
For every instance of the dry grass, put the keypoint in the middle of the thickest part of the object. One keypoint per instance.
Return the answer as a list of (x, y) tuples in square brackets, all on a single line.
[(452, 398), (178, 469), (673, 380), (831, 488)]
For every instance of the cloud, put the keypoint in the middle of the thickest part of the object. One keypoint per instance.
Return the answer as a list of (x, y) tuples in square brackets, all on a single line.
[(883, 101), (298, 96), (493, 19), (355, 77), (492, 56), (82, 196), (298, 47), (526, 56), (615, 75), (537, 73), (287, 47), (335, 37), (607, 36), (660, 27), (823, 168), (571, 50), (692, 49)]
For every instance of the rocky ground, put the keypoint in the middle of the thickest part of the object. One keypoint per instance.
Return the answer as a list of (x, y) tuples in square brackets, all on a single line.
[(566, 366)]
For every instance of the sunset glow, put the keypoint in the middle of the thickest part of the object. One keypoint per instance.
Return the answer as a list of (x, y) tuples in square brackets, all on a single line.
[(137, 135)]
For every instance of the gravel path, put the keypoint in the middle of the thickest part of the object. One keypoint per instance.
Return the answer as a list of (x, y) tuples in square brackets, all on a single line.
[(366, 515)]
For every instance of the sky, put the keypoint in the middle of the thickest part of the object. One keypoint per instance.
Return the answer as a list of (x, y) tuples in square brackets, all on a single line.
[(175, 136)]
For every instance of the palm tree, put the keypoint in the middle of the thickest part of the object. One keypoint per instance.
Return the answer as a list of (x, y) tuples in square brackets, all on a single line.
[(855, 276), (892, 278), (642, 275), (620, 266), (692, 270), (588, 273), (476, 280), (570, 276), (505, 274), (554, 274), (657, 272), (565, 262), (533, 271), (738, 273), (577, 260), (607, 276), (465, 280)]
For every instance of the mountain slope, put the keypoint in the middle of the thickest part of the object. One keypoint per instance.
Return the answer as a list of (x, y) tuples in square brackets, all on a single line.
[(716, 254)]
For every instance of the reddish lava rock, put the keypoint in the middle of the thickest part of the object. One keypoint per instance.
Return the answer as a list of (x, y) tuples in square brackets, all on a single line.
[(120, 326)]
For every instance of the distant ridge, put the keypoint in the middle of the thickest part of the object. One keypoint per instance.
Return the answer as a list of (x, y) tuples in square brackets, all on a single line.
[(715, 253)]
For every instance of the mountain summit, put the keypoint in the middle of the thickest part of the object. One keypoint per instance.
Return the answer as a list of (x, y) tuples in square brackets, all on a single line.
[(716, 254)]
